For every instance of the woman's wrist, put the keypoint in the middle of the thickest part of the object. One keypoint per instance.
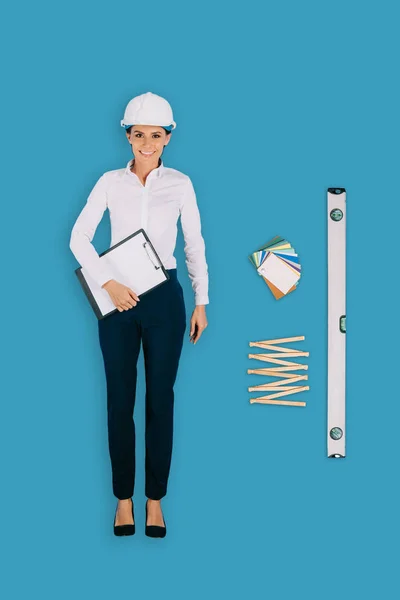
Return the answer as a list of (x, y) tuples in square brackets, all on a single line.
[(107, 282)]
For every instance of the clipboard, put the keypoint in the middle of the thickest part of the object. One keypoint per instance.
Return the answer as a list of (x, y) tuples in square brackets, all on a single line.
[(133, 262)]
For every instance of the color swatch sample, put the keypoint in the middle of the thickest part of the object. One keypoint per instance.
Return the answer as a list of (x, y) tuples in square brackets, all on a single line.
[(278, 263)]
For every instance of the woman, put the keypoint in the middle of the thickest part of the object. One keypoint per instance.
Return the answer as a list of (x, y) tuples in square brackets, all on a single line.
[(147, 195)]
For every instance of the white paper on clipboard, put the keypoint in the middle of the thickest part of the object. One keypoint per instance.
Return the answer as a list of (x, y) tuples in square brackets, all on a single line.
[(133, 262)]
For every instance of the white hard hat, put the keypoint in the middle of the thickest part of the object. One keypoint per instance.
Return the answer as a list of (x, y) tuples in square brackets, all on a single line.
[(148, 109)]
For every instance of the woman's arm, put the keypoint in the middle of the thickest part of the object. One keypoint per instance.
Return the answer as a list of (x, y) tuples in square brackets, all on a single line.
[(83, 232), (194, 245)]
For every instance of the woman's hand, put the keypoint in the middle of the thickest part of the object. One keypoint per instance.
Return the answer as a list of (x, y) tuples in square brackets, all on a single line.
[(198, 323), (123, 297)]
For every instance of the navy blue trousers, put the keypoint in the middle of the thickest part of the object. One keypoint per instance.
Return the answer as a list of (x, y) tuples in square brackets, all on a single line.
[(158, 321)]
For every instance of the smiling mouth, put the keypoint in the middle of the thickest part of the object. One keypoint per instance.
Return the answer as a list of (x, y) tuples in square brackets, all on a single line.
[(146, 153)]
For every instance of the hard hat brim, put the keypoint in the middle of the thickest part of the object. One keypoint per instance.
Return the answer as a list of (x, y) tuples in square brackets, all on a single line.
[(169, 126)]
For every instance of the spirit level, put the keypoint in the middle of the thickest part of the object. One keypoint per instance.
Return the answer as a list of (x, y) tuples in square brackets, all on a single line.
[(336, 322)]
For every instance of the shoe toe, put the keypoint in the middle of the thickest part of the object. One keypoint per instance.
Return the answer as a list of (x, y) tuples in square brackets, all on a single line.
[(156, 531), (124, 529)]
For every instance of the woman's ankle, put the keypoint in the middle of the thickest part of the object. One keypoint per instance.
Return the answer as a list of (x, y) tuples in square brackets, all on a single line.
[(151, 501)]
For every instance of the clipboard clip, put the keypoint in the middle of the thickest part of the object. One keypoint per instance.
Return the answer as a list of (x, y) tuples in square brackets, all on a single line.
[(145, 244)]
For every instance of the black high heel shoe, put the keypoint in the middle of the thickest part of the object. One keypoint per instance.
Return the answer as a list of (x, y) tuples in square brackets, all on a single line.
[(155, 531), (128, 528)]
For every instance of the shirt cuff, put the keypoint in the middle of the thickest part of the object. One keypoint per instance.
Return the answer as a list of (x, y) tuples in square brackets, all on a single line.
[(103, 277), (201, 300)]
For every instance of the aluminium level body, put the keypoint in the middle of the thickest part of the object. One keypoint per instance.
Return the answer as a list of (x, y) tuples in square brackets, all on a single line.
[(336, 323)]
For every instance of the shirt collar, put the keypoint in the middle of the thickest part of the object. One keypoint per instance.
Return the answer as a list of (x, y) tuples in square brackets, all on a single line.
[(157, 171)]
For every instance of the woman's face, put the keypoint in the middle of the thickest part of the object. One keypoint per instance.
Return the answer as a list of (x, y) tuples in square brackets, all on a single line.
[(147, 143)]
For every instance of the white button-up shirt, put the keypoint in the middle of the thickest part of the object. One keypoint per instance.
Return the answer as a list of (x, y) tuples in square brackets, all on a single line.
[(156, 207)]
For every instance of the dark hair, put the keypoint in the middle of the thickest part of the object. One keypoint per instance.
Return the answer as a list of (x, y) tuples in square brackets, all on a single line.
[(129, 130)]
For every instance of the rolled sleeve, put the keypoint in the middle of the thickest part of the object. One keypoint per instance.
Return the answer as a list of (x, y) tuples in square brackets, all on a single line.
[(194, 245), (83, 232)]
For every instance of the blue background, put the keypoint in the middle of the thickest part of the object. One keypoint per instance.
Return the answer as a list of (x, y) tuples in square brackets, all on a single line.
[(274, 103)]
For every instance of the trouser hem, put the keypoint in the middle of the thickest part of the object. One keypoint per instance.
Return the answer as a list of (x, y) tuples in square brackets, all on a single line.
[(153, 496)]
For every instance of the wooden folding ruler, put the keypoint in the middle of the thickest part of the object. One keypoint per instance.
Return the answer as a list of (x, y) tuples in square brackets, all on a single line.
[(336, 322)]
